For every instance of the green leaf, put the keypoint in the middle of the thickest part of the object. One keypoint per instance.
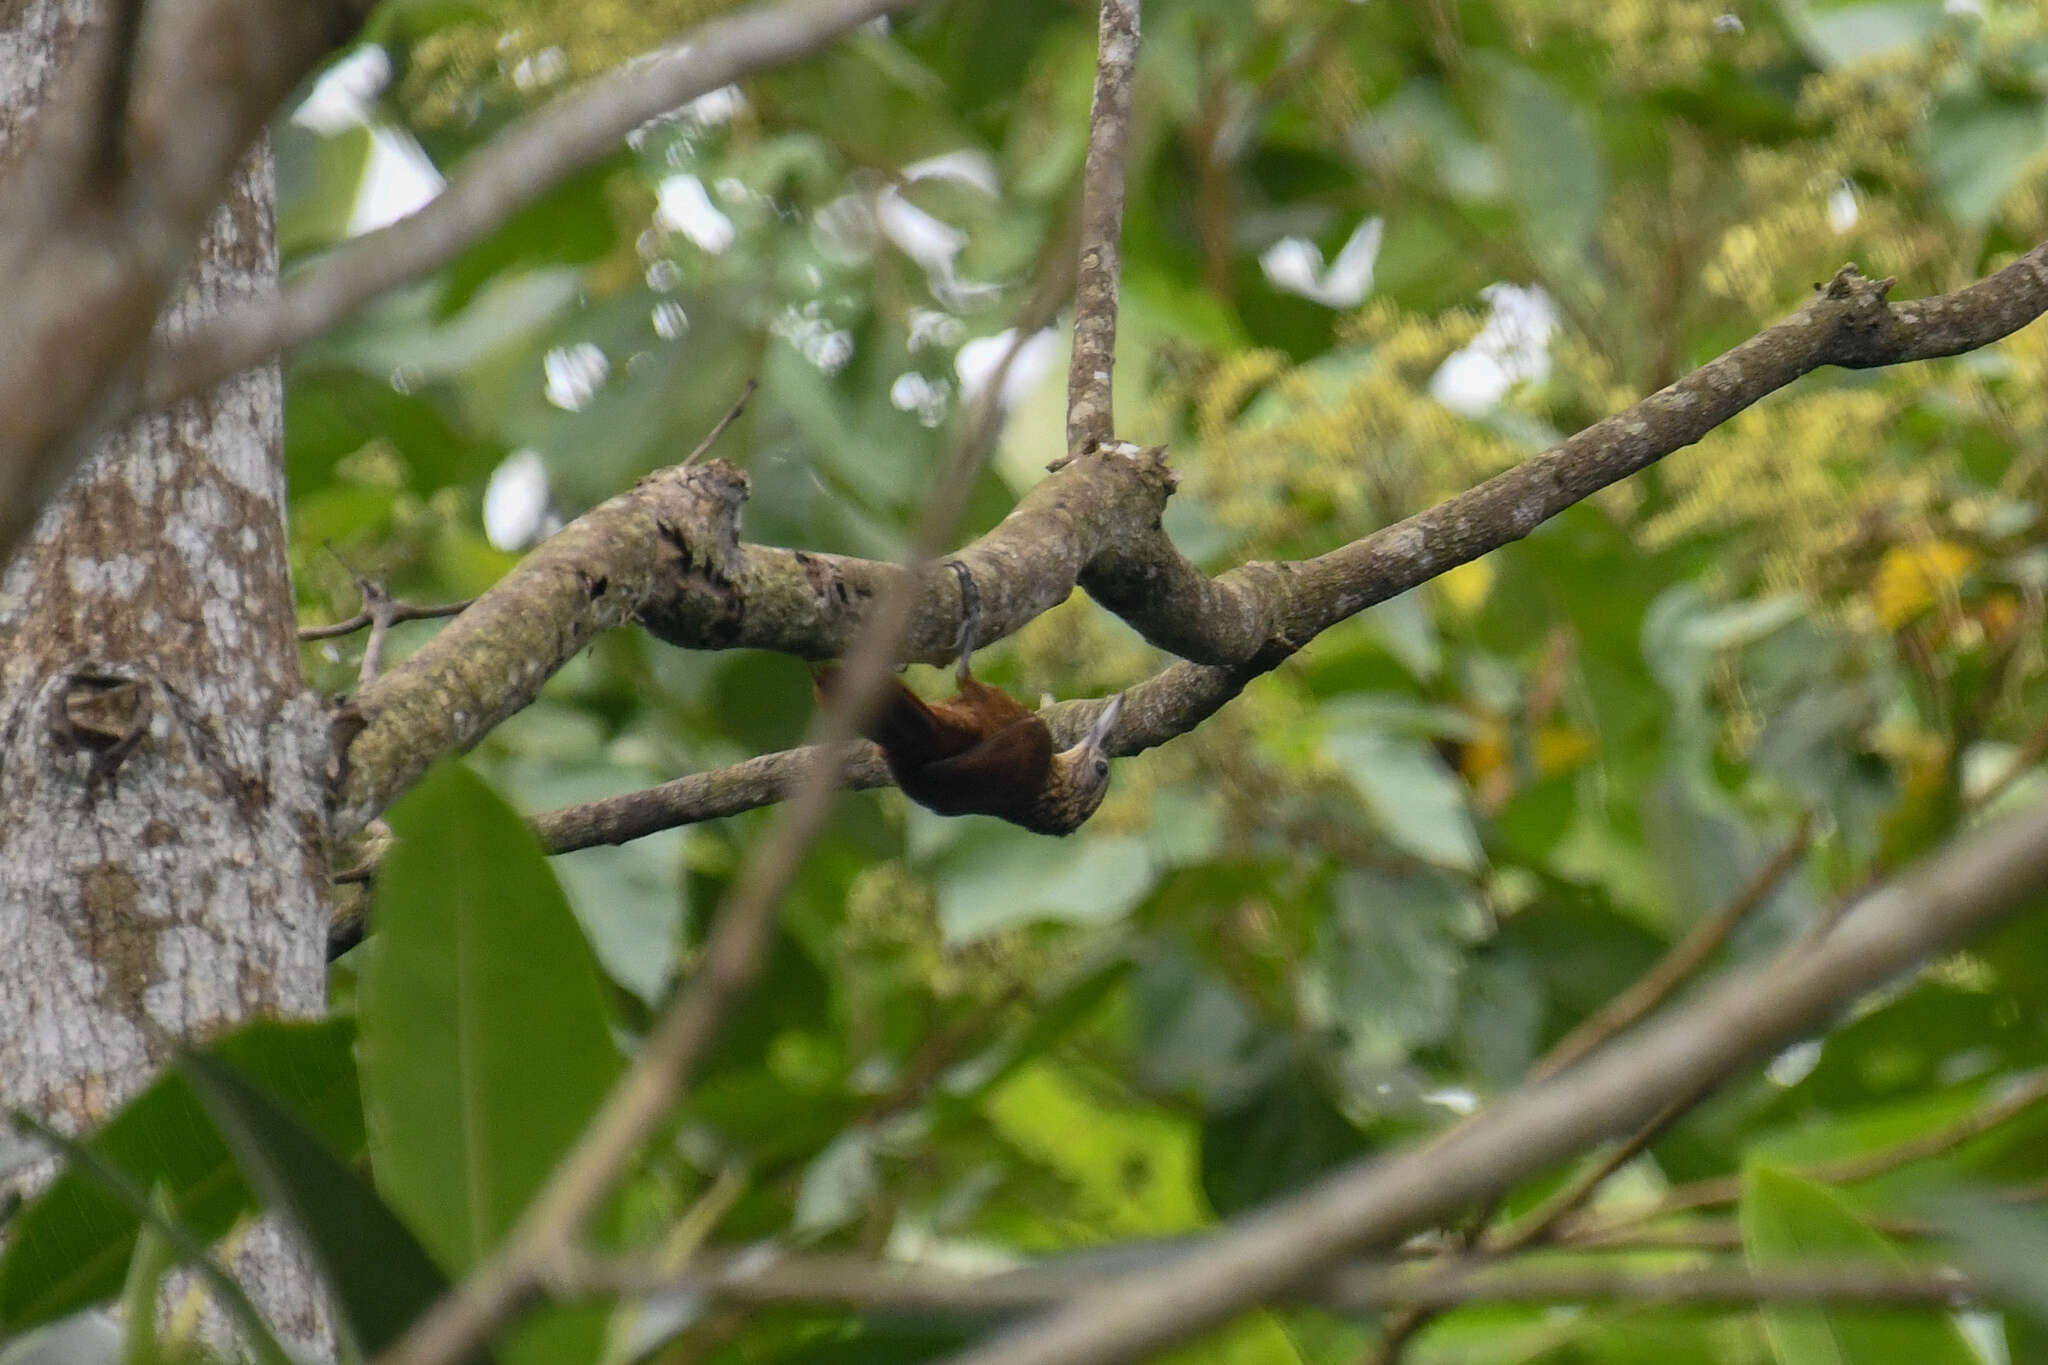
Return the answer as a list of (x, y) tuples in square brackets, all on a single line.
[(397, 22), (1133, 1168), (1274, 1139), (1979, 147), (1788, 1221), (154, 1258), (571, 224), (1412, 792), (150, 1210), (331, 413), (318, 178), (70, 1247), (1386, 971), (1839, 34), (484, 1046), (1550, 157), (2004, 1242), (1008, 876), (381, 1277), (838, 1185)]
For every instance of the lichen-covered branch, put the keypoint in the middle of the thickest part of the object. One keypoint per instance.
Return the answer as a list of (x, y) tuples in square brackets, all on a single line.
[(814, 605), (673, 1050), (1096, 522), (677, 527)]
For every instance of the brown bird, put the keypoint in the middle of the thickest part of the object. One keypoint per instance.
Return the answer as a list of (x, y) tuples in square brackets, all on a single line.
[(981, 752)]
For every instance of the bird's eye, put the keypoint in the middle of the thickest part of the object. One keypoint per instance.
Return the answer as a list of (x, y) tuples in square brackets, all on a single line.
[(1102, 767)]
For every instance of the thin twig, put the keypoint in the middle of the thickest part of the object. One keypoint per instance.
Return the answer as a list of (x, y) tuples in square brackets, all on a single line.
[(400, 612), (766, 1277), (2031, 751), (934, 1055), (1098, 522), (380, 611), (1677, 965), (1090, 419), (732, 415), (1850, 1170), (1542, 1225), (1680, 962)]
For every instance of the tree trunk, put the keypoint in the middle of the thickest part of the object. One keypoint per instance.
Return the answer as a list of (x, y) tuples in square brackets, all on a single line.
[(163, 858)]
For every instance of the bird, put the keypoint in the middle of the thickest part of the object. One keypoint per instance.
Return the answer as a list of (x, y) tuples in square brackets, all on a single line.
[(981, 751)]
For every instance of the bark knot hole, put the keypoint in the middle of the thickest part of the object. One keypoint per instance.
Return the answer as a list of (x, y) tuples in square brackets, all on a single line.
[(103, 713)]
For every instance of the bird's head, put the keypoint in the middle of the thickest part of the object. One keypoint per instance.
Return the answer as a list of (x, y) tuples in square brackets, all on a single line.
[(1080, 775)]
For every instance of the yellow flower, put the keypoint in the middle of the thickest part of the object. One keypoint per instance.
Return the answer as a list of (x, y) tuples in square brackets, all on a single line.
[(1911, 578)]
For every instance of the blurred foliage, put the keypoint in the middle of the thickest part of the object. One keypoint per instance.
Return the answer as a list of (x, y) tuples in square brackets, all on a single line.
[(1375, 253)]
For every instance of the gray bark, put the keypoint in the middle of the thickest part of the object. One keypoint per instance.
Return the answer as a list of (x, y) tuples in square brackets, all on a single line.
[(163, 858)]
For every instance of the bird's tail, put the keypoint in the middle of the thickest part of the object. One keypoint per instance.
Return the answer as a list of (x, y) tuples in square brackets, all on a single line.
[(898, 719)]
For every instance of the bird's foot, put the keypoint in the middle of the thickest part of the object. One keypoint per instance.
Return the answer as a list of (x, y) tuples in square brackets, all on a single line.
[(970, 616)]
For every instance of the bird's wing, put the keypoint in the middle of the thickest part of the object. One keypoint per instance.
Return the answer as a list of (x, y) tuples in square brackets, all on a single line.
[(985, 709), (910, 730), (1003, 775)]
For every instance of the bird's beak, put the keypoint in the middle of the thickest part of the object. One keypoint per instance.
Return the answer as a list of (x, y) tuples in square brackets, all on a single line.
[(1105, 724)]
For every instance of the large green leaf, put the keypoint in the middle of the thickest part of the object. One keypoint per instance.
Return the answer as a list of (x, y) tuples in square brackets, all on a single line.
[(1788, 1221), (72, 1245), (318, 177), (1420, 803), (160, 1231), (1979, 147), (1386, 970), (1838, 34), (484, 1044)]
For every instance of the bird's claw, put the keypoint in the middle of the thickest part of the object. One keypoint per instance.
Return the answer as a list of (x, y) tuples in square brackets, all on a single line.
[(970, 616)]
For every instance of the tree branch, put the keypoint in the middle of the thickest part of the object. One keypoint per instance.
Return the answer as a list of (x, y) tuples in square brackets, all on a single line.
[(763, 1278), (490, 661), (391, 611), (513, 170), (1089, 411), (1096, 522), (1677, 966), (1958, 893), (104, 204)]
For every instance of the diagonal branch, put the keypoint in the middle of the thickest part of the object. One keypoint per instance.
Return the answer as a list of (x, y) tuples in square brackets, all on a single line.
[(1850, 1170), (1679, 964), (513, 170), (490, 661), (106, 198), (1961, 892)]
